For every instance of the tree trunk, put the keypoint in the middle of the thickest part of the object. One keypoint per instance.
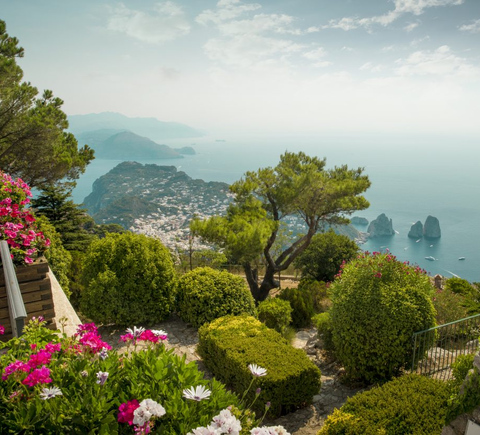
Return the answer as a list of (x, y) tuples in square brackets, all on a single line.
[(260, 293)]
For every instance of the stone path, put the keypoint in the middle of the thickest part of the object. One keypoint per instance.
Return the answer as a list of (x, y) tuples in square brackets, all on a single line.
[(184, 339)]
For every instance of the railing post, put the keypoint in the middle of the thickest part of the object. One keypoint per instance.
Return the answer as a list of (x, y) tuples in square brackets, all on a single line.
[(16, 307)]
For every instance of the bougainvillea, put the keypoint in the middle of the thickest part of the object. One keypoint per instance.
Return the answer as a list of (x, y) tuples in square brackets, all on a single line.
[(17, 224)]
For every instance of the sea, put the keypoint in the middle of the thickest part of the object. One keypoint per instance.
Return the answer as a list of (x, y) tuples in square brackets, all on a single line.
[(411, 178)]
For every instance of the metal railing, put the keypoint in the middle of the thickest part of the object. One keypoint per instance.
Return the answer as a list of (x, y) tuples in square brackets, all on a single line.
[(16, 307), (435, 349)]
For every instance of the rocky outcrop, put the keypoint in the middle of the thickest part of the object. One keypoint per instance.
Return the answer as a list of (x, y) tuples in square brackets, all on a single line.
[(416, 230), (431, 229), (356, 220), (382, 226)]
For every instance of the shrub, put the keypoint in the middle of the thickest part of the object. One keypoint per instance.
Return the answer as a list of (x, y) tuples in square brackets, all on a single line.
[(229, 344), (205, 294), (323, 323), (413, 404), (59, 259), (377, 304), (458, 286), (465, 387), (129, 278), (275, 313), (302, 305), (449, 306), (324, 256), (86, 405), (318, 291)]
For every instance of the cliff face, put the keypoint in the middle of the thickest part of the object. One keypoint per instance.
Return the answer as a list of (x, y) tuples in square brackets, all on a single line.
[(431, 228), (416, 230), (382, 226)]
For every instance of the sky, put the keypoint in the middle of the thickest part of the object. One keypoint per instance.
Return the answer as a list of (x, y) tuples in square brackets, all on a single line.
[(376, 67)]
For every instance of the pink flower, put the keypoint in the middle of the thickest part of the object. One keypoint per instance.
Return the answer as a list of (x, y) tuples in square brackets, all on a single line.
[(40, 358), (149, 336), (93, 342), (38, 376), (126, 338), (28, 260), (2, 329), (17, 366), (86, 327), (51, 347), (126, 410)]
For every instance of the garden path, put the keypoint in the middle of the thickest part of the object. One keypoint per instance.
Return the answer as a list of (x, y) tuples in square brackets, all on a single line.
[(183, 339)]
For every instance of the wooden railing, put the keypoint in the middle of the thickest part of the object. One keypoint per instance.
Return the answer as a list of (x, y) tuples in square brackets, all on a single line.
[(16, 307)]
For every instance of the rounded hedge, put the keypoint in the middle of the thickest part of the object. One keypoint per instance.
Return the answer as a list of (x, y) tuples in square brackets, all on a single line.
[(303, 306), (377, 304), (205, 294), (129, 279), (275, 313), (412, 404)]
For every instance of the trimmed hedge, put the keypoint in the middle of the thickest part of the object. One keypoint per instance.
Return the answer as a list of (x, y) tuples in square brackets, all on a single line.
[(229, 344), (205, 294), (412, 404)]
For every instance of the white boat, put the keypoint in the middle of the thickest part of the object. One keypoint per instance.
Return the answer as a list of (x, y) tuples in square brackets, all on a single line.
[(430, 258), (461, 258)]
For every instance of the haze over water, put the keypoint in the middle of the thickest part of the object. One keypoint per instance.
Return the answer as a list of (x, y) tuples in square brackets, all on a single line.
[(411, 179)]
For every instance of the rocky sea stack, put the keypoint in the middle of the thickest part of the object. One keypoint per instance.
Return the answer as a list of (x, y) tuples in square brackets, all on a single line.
[(416, 230), (431, 229), (382, 226)]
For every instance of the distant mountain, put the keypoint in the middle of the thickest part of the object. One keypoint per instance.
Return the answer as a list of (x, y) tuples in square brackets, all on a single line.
[(129, 146), (149, 127)]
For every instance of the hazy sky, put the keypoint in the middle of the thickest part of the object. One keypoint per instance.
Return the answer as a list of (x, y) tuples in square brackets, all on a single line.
[(296, 66)]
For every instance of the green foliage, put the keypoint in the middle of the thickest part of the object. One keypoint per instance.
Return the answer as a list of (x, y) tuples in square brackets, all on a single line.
[(66, 216), (205, 294), (299, 185), (324, 325), (377, 304), (322, 259), (86, 407), (59, 259), (75, 278), (318, 291), (465, 387), (458, 286), (302, 305), (229, 344), (33, 142), (449, 306), (412, 404), (275, 313), (129, 279)]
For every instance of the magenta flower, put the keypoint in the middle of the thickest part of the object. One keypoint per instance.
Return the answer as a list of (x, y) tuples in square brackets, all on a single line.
[(2, 329), (92, 342), (53, 347), (86, 327), (38, 376), (126, 410), (17, 366), (41, 358)]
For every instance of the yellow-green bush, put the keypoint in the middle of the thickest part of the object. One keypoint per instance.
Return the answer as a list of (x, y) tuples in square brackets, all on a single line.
[(323, 323), (229, 344), (129, 280), (275, 313), (205, 294), (377, 304), (409, 405)]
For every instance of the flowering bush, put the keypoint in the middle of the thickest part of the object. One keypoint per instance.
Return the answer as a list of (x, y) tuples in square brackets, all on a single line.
[(54, 384), (378, 302), (17, 224)]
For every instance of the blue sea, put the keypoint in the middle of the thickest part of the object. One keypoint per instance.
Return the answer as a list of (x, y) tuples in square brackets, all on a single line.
[(438, 177)]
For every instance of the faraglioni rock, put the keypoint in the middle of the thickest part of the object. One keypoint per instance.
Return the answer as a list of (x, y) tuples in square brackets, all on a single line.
[(416, 230), (431, 229), (382, 226), (356, 220)]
